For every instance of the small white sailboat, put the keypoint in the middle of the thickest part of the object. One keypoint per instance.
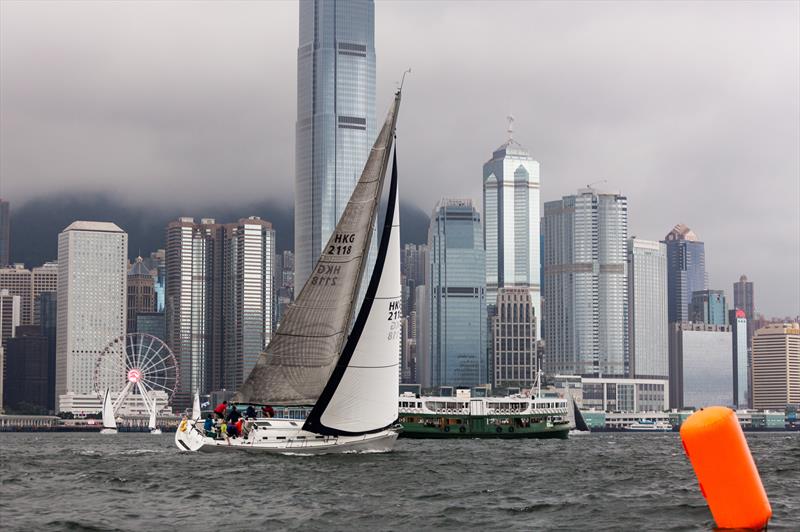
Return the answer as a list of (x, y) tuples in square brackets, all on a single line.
[(196, 407), (152, 423), (347, 377), (109, 423)]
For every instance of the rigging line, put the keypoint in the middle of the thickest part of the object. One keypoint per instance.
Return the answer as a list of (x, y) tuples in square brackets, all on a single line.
[(375, 367)]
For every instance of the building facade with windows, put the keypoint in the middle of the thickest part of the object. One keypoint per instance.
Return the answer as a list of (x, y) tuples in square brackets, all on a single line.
[(701, 365), (744, 298), (776, 366), (511, 223), (336, 124), (686, 271), (709, 306), (586, 284), (513, 338), (29, 284), (457, 291), (92, 303), (647, 309), (141, 292), (741, 359)]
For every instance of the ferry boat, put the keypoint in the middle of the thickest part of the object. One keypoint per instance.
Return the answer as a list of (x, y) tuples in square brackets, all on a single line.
[(649, 425), (464, 416)]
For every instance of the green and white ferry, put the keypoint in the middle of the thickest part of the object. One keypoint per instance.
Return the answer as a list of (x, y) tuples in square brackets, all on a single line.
[(464, 416)]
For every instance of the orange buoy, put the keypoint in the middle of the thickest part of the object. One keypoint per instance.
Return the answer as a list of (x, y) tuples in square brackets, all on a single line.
[(728, 477)]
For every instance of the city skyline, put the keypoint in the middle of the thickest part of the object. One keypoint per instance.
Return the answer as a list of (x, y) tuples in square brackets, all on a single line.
[(660, 113)]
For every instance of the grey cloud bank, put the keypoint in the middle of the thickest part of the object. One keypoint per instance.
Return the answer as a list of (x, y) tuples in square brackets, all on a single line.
[(690, 109)]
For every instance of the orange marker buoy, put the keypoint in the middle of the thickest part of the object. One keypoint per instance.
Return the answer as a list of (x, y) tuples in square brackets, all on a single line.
[(728, 477)]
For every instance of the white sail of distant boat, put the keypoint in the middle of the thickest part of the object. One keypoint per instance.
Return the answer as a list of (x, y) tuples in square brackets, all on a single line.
[(109, 423), (349, 377), (196, 406), (152, 423)]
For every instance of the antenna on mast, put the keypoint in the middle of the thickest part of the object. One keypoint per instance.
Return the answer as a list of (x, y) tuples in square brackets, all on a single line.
[(510, 129), (590, 185), (403, 79)]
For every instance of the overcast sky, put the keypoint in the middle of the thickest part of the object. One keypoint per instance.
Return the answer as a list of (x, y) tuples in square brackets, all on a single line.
[(692, 110)]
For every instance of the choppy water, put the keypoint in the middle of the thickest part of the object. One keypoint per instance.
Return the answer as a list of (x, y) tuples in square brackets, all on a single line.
[(596, 482)]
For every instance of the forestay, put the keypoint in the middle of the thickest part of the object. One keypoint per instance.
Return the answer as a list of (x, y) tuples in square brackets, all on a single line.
[(306, 347)]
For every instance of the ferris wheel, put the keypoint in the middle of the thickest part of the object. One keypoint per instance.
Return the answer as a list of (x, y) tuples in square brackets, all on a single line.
[(137, 364)]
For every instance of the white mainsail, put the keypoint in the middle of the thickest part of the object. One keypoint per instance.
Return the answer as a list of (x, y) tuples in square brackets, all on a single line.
[(152, 423), (108, 412), (361, 396), (299, 360)]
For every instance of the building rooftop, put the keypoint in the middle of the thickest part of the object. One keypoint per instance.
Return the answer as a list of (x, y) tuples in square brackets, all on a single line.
[(681, 232), (102, 227), (139, 268)]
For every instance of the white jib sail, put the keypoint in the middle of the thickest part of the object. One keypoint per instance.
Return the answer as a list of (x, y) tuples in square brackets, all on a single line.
[(108, 412), (152, 423), (366, 398), (196, 406)]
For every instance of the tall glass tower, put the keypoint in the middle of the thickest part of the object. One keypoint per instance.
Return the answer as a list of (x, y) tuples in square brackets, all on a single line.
[(511, 223), (686, 271), (457, 311), (335, 118)]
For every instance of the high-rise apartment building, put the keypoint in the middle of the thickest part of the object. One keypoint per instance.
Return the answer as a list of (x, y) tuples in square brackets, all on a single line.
[(247, 296), (336, 125), (709, 306), (141, 292), (776, 366), (741, 358), (514, 338), (92, 309), (686, 271), (457, 311), (647, 309), (29, 285), (511, 223), (219, 300), (743, 298), (586, 284), (701, 368), (5, 233)]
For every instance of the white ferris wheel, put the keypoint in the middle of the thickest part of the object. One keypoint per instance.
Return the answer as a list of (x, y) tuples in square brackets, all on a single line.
[(137, 364)]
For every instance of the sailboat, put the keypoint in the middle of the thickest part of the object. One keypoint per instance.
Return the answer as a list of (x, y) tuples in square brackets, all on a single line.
[(109, 423), (196, 406), (152, 423), (349, 381)]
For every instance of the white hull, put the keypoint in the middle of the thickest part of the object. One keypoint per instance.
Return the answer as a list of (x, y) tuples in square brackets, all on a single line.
[(108, 431), (155, 431), (284, 436)]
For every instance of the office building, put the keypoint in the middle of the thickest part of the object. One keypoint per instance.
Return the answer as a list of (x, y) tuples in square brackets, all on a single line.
[(586, 284), (28, 285), (152, 323), (247, 294), (336, 125), (48, 321), (511, 223), (141, 292), (92, 303), (284, 291), (616, 394), (686, 271), (701, 367), (743, 298), (776, 366), (458, 323), (157, 264), (741, 358), (28, 374), (219, 300), (514, 338), (709, 306), (413, 270), (647, 309), (5, 233), (422, 331)]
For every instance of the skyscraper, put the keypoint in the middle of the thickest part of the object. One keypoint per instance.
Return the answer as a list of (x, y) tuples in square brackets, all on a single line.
[(741, 358), (776, 366), (141, 293), (92, 268), (458, 323), (29, 285), (5, 233), (28, 373), (219, 300), (514, 338), (511, 223), (701, 371), (647, 309), (743, 298), (709, 306), (413, 271), (686, 271), (247, 295), (586, 284), (336, 125)]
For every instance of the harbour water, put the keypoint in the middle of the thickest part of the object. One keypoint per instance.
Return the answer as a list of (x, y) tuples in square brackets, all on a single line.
[(609, 481)]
